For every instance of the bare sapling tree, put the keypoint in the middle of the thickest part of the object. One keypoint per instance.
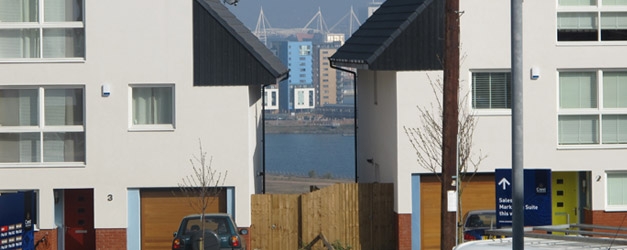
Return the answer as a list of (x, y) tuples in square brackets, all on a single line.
[(426, 139), (203, 187)]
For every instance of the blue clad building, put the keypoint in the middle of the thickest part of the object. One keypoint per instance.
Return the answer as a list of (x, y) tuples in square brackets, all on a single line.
[(297, 92)]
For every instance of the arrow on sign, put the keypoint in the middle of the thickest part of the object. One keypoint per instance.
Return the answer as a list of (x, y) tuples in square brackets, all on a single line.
[(503, 182)]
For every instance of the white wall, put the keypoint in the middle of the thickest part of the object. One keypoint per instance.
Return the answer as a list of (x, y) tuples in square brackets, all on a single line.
[(485, 46), (486, 38), (147, 41), (377, 123), (413, 90)]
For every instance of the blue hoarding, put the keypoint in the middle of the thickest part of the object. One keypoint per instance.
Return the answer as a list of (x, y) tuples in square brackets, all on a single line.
[(537, 200), (17, 217)]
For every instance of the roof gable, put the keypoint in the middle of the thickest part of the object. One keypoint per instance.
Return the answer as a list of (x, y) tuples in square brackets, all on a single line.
[(400, 35), (227, 53)]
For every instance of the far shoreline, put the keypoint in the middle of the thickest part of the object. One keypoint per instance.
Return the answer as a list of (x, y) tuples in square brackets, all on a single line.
[(343, 127)]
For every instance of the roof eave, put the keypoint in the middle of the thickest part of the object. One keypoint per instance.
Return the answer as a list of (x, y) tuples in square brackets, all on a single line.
[(349, 63), (279, 74)]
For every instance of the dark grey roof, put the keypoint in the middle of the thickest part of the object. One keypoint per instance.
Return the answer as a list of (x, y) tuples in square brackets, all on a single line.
[(227, 53), (400, 35)]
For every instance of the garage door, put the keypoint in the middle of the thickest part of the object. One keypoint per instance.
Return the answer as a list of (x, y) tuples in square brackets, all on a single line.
[(478, 194), (162, 211)]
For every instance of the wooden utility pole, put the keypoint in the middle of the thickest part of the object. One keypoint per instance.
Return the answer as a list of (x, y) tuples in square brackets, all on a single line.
[(450, 118)]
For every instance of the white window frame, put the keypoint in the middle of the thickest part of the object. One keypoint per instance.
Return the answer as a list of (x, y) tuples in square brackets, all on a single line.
[(486, 112), (42, 128), (150, 127), (40, 25), (608, 207), (599, 111), (598, 9)]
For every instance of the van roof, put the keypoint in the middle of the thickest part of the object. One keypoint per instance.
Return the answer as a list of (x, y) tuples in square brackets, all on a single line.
[(566, 236), (537, 244)]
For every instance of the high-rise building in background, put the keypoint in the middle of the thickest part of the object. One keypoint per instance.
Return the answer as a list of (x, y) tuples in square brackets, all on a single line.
[(312, 84), (297, 92), (372, 7), (327, 77)]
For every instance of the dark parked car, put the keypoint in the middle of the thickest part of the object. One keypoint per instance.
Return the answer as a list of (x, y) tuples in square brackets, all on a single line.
[(220, 233), (476, 222)]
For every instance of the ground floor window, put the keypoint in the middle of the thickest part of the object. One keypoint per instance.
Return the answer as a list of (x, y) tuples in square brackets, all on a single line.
[(617, 191)]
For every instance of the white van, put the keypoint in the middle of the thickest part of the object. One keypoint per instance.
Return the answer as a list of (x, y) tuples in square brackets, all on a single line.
[(538, 244), (575, 236)]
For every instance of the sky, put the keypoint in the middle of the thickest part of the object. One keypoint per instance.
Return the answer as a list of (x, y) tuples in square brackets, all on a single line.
[(297, 13)]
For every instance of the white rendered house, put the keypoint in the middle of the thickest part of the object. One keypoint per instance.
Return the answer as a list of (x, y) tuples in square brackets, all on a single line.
[(575, 103), (103, 104)]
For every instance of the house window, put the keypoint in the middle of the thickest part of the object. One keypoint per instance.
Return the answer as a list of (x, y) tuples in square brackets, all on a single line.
[(592, 108), (592, 20), (491, 90), (152, 107), (36, 29), (42, 125), (616, 191)]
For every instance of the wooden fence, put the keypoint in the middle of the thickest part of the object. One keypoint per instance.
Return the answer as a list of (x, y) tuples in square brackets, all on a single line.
[(357, 215)]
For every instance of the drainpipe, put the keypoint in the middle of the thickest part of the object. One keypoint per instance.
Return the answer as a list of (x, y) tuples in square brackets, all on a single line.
[(263, 138), (354, 73)]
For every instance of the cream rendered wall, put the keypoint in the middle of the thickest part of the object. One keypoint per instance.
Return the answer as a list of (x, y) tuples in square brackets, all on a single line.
[(133, 42)]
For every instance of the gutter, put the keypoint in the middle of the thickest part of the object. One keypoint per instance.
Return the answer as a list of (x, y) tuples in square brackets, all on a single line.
[(263, 130), (354, 73)]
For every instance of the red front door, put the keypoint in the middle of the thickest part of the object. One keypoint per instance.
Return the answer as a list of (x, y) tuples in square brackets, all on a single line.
[(79, 219)]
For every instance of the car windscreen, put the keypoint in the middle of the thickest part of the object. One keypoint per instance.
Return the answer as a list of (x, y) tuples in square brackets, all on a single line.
[(481, 220), (217, 225)]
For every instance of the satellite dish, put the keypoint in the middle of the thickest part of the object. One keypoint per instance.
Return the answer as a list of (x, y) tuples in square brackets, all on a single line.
[(231, 2)]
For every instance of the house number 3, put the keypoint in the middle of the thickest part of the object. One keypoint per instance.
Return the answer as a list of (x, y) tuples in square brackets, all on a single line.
[(109, 197)]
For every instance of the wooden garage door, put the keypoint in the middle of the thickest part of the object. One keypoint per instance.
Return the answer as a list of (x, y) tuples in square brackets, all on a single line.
[(479, 194), (161, 213)]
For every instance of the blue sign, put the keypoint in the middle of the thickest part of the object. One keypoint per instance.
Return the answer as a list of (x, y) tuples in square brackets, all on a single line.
[(537, 197), (17, 215)]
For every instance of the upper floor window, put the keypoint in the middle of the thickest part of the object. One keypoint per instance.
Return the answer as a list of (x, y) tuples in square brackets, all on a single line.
[(491, 90), (592, 107), (592, 20), (152, 107), (36, 29), (42, 125)]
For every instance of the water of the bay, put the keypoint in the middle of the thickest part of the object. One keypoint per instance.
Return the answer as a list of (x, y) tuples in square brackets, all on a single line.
[(327, 155)]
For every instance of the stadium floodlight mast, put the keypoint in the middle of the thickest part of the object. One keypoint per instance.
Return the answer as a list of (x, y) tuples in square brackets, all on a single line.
[(231, 2)]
